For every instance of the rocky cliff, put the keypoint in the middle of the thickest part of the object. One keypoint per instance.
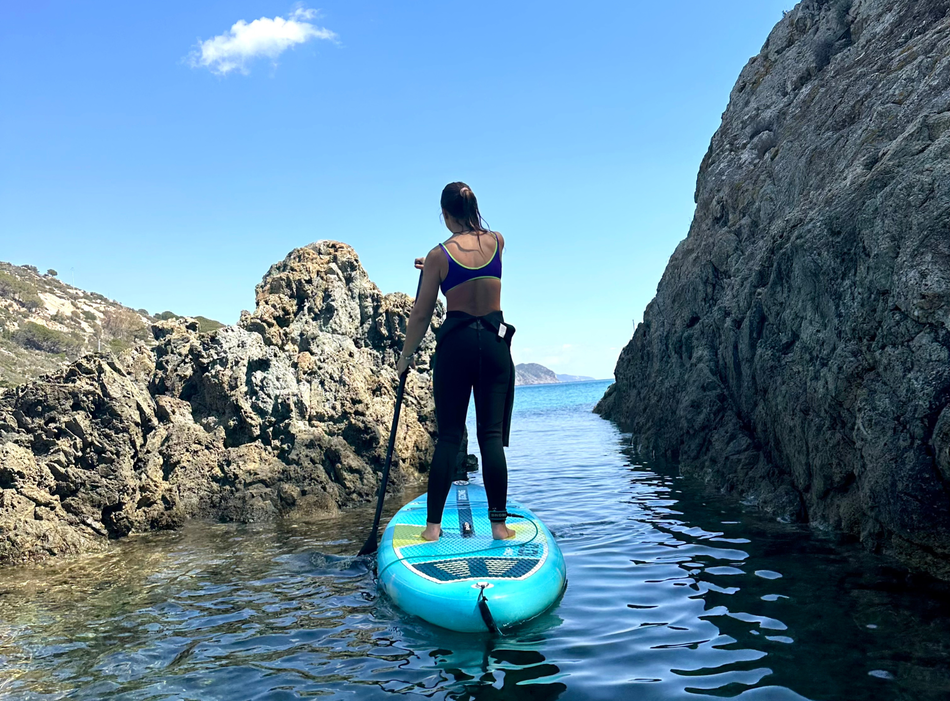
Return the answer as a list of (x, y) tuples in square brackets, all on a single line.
[(797, 352), (289, 409)]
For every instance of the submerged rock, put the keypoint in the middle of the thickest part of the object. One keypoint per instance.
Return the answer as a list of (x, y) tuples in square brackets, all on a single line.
[(797, 352), (289, 409)]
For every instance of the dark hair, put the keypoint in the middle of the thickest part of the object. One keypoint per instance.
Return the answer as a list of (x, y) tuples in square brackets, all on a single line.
[(459, 201)]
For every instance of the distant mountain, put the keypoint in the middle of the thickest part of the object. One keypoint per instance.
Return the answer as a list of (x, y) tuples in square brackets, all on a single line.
[(534, 374), (46, 324), (574, 378)]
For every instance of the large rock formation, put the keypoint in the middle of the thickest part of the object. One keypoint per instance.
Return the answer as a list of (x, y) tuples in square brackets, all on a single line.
[(291, 408), (798, 349)]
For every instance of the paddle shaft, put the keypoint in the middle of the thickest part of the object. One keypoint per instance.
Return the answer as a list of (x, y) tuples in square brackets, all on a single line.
[(370, 546)]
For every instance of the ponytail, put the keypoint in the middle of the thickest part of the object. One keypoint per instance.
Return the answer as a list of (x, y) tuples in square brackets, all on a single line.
[(459, 201)]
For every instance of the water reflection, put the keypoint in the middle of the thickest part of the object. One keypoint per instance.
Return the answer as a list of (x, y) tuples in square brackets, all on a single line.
[(485, 667), (672, 594)]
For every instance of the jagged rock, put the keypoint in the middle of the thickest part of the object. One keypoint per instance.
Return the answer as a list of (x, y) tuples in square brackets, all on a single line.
[(290, 409), (797, 349)]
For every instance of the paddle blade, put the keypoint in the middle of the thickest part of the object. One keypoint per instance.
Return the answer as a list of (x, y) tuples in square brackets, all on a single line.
[(370, 546)]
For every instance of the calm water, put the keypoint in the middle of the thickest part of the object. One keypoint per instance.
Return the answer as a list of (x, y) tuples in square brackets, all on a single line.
[(672, 594)]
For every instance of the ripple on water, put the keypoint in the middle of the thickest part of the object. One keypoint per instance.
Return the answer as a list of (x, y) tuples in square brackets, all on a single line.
[(672, 595)]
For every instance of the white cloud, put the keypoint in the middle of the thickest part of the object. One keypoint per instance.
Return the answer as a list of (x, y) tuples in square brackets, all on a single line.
[(262, 37), (301, 12)]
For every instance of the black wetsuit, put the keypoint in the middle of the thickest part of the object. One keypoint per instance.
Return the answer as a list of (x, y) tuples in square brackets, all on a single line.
[(472, 355)]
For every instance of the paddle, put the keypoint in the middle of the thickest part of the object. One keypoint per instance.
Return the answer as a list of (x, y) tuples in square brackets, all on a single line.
[(370, 546)]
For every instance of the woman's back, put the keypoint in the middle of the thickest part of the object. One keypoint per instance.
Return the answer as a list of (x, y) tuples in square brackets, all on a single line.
[(467, 267), (475, 259)]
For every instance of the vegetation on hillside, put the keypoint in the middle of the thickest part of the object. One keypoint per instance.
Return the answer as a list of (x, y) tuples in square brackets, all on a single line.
[(19, 291), (33, 336), (45, 323)]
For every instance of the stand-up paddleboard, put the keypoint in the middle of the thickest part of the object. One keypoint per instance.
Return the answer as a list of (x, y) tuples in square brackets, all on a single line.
[(467, 581)]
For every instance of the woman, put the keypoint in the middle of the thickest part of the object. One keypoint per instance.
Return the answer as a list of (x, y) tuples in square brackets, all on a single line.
[(472, 353)]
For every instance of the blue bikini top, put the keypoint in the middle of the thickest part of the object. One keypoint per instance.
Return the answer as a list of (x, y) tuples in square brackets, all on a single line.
[(459, 273)]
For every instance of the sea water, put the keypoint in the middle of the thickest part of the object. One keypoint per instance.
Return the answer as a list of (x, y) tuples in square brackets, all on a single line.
[(673, 593)]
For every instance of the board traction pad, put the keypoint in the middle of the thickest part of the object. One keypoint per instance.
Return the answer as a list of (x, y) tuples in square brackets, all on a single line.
[(454, 558)]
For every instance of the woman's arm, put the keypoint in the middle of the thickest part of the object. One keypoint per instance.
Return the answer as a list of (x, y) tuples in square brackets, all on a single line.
[(421, 313)]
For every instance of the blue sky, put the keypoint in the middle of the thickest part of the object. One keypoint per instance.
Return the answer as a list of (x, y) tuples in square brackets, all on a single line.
[(167, 177)]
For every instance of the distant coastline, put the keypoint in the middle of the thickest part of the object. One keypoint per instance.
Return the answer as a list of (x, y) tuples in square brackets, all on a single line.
[(564, 384), (536, 374)]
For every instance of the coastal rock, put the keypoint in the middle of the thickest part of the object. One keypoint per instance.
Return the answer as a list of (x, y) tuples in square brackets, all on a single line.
[(288, 410), (796, 353)]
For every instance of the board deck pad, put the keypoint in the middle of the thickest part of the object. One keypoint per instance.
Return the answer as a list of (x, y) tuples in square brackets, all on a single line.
[(455, 557)]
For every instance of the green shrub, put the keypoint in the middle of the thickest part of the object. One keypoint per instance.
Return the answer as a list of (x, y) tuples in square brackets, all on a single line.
[(89, 316), (41, 338), (20, 291), (206, 325), (52, 273)]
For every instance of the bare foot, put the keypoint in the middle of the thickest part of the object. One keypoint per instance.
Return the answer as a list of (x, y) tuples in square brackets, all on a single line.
[(432, 531), (500, 531)]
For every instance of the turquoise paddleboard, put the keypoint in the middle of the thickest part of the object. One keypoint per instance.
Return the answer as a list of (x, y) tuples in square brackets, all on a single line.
[(443, 582)]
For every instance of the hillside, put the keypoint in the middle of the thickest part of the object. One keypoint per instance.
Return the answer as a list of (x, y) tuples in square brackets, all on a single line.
[(46, 324), (534, 374)]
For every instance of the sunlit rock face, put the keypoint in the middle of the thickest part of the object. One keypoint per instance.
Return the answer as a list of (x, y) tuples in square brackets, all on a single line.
[(289, 410), (797, 352)]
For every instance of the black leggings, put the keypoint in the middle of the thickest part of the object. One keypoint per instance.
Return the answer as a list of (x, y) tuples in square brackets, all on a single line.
[(471, 357)]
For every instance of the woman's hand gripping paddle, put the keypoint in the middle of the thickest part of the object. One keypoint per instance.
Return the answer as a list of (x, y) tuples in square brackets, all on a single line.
[(371, 545)]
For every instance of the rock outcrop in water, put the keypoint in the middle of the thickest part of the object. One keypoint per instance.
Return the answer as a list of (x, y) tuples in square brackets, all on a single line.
[(797, 352), (289, 409)]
